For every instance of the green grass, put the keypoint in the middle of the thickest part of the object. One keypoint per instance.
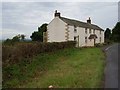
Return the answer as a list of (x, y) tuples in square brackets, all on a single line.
[(75, 68)]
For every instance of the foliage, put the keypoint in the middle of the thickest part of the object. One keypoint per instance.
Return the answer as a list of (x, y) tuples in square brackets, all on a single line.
[(15, 39), (107, 35), (38, 35), (14, 54), (116, 32), (84, 67), (100, 44)]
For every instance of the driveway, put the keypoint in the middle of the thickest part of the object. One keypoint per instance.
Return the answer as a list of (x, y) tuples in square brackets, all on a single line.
[(111, 69)]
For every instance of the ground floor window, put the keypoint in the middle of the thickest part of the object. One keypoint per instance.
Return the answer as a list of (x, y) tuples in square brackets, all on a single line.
[(85, 39), (74, 38), (100, 39)]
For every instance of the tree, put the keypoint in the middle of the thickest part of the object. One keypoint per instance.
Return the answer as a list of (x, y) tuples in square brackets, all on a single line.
[(116, 32), (107, 34), (16, 38), (38, 35), (8, 41), (22, 37)]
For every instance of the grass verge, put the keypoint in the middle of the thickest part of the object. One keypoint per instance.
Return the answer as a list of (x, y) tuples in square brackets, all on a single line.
[(68, 68)]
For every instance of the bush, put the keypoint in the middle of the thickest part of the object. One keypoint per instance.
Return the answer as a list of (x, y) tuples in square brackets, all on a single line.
[(17, 59), (14, 54), (100, 44)]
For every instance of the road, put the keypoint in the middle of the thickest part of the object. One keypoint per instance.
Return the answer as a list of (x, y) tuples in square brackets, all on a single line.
[(111, 69)]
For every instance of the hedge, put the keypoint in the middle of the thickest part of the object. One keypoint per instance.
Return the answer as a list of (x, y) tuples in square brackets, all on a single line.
[(13, 54)]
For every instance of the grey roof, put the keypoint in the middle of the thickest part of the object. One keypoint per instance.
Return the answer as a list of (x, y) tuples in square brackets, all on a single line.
[(80, 24)]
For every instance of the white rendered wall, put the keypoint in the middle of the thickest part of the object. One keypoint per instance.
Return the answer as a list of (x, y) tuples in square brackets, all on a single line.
[(56, 30)]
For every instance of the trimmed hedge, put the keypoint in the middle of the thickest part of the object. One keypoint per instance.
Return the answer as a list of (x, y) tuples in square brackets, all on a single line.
[(13, 54)]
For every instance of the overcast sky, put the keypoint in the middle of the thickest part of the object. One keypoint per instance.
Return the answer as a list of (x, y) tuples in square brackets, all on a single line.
[(25, 17)]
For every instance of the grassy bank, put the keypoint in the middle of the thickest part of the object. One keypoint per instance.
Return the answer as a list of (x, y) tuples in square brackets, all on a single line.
[(72, 67)]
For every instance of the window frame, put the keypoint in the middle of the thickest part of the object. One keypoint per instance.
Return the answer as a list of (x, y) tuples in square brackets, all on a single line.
[(86, 30), (86, 40), (100, 31), (75, 29), (100, 39), (90, 31), (75, 38), (94, 31)]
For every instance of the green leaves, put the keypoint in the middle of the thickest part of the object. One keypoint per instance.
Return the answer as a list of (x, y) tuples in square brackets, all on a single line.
[(38, 35), (116, 32)]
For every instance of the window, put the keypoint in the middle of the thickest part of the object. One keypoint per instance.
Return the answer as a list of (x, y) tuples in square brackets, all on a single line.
[(85, 39), (74, 38), (86, 30), (94, 31), (89, 30), (100, 39), (75, 29), (100, 31)]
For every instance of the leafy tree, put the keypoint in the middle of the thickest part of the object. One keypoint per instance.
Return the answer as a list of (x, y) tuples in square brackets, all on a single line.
[(16, 38), (22, 37), (107, 34), (116, 32), (38, 35), (8, 41)]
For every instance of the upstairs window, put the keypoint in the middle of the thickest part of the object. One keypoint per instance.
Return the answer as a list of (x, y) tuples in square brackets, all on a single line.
[(94, 31), (75, 29), (100, 31), (86, 30), (89, 30)]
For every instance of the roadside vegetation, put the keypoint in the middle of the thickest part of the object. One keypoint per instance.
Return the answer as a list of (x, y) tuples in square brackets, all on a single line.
[(68, 67)]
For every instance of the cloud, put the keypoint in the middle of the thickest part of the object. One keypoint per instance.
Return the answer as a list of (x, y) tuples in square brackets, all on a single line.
[(25, 17), (60, 0), (119, 11)]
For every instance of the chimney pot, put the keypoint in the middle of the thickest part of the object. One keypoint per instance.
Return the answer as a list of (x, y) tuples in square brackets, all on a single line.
[(89, 21), (57, 14)]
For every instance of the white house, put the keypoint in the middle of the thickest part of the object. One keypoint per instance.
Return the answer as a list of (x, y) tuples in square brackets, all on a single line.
[(63, 29)]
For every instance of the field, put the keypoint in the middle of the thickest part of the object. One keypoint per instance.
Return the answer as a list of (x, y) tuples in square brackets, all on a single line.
[(68, 68)]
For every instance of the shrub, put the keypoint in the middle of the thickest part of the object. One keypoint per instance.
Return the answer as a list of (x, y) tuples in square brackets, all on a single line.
[(100, 44), (13, 54)]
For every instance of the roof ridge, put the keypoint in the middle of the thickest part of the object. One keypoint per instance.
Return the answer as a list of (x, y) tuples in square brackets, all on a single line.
[(80, 23)]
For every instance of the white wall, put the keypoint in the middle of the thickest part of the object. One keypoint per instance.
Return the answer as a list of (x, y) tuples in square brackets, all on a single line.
[(82, 35), (56, 30), (71, 33)]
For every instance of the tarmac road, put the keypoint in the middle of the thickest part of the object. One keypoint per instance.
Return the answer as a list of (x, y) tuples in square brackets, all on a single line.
[(111, 69)]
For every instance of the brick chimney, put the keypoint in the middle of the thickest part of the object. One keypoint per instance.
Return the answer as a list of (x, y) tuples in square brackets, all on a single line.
[(89, 21), (57, 14)]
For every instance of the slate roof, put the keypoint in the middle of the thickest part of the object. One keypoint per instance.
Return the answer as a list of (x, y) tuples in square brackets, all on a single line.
[(80, 24)]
